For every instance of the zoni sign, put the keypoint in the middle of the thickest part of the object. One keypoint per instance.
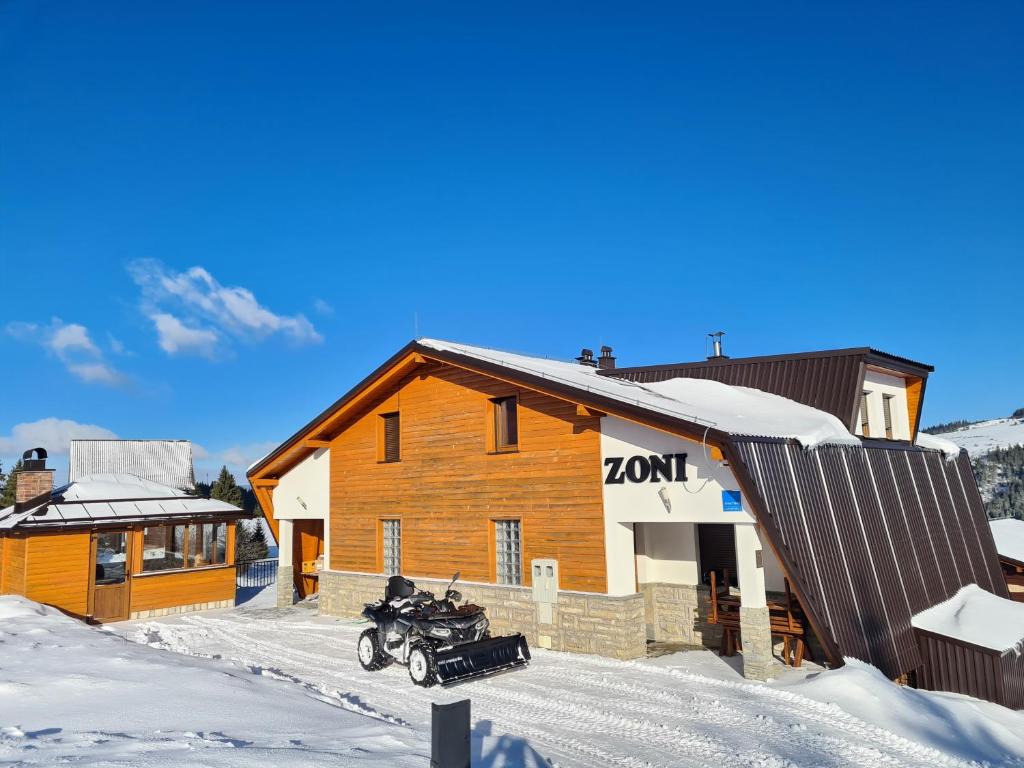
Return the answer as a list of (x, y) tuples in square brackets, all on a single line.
[(670, 467)]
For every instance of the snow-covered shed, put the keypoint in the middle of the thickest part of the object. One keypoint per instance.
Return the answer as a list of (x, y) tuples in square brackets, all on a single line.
[(113, 545), (1009, 537), (638, 483), (973, 643)]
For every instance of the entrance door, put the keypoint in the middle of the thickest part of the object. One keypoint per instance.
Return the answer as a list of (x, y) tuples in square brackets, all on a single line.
[(110, 585), (307, 547), (717, 542)]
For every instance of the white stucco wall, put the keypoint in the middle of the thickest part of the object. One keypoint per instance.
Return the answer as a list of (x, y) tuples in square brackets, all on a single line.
[(697, 500), (304, 493), (879, 384)]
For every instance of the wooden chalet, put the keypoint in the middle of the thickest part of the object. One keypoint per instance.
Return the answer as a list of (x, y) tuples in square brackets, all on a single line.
[(770, 506), (111, 545)]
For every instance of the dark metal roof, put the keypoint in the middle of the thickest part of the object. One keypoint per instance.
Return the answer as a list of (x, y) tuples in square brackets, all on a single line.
[(871, 536), (829, 380)]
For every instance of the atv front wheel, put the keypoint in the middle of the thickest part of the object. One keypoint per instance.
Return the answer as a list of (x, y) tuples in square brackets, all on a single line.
[(371, 656), (422, 667)]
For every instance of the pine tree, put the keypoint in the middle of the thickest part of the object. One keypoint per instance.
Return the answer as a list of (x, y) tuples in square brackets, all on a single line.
[(8, 494), (224, 488)]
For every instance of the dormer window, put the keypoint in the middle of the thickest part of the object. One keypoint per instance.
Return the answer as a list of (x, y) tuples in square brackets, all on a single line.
[(887, 412)]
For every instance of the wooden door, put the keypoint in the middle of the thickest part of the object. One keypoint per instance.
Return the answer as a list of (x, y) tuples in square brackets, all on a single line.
[(110, 584), (307, 547)]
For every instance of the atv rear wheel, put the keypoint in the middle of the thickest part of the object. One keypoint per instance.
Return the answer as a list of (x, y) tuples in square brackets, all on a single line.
[(422, 667), (371, 656)]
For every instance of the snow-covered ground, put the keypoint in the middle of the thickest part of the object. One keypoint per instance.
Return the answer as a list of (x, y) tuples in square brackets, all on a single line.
[(683, 709), (75, 694), (986, 436)]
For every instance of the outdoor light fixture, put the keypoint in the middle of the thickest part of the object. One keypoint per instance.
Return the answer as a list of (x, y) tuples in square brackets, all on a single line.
[(299, 499), (663, 495)]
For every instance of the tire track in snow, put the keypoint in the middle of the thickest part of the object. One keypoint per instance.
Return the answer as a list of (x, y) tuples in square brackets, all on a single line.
[(668, 718)]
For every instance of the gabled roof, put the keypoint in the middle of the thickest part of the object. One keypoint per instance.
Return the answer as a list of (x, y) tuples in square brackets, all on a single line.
[(706, 411), (168, 462), (114, 498), (1009, 536)]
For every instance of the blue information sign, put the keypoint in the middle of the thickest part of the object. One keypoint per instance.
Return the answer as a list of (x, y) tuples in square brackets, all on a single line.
[(732, 501)]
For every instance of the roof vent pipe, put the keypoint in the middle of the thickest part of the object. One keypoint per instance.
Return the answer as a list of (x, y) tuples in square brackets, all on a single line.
[(587, 358), (606, 361), (716, 346)]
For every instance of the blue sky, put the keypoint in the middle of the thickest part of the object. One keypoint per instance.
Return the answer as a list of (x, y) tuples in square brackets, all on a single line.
[(218, 217)]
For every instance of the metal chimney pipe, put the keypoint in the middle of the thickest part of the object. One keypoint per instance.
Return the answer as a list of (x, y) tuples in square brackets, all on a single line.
[(716, 345)]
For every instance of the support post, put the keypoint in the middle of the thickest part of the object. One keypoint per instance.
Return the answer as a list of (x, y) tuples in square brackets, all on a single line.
[(285, 566), (449, 735), (755, 623)]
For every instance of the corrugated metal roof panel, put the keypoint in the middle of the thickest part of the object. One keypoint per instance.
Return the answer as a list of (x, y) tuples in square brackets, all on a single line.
[(163, 461), (872, 536)]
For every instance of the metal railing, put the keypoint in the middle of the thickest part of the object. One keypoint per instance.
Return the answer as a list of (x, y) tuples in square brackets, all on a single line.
[(256, 573)]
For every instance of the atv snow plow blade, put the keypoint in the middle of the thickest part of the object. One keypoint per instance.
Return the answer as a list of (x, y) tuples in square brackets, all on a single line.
[(484, 657)]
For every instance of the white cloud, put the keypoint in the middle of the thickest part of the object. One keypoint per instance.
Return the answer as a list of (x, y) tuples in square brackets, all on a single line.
[(177, 338), (68, 339), (71, 344), (51, 433), (99, 373), (321, 307), (116, 345), (205, 306)]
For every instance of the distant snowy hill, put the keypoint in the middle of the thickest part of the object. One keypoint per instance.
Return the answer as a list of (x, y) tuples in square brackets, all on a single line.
[(996, 448), (986, 436)]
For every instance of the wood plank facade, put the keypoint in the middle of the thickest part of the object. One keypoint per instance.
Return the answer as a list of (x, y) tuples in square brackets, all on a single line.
[(450, 483)]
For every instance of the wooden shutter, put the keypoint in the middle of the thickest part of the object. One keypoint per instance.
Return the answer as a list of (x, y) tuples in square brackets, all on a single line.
[(506, 424), (887, 411), (392, 445), (865, 422)]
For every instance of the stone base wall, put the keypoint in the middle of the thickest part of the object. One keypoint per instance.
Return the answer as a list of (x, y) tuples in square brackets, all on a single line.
[(677, 613), (580, 622), (157, 612), (285, 586), (756, 641)]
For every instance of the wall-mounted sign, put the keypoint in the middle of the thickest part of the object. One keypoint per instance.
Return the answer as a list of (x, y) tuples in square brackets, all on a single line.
[(669, 467), (732, 501)]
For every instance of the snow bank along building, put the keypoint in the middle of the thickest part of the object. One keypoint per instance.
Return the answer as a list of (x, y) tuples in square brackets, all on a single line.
[(586, 504), (125, 537)]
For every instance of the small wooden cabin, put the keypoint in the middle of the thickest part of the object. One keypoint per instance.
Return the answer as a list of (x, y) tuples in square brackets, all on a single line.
[(113, 546)]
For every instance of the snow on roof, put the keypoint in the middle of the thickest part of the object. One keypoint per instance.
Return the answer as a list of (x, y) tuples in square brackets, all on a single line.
[(738, 410), (113, 496), (978, 617), (936, 443), (1009, 536), (163, 461)]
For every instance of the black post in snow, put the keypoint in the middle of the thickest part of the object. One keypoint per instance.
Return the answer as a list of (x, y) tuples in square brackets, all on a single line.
[(449, 735)]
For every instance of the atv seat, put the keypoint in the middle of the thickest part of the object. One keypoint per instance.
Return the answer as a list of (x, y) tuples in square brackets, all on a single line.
[(398, 587)]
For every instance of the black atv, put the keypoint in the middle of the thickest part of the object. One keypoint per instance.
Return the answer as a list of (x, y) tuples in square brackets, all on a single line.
[(438, 640)]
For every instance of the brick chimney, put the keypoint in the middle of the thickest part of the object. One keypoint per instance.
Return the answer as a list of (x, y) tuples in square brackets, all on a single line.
[(606, 361), (35, 481)]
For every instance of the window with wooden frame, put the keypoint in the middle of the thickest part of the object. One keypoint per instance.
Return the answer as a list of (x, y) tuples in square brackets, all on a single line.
[(887, 413), (389, 444), (505, 426), (507, 545), (390, 546), (177, 547), (865, 421)]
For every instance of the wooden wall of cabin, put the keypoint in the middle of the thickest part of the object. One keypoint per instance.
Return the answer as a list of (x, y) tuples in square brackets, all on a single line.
[(12, 577), (447, 487), (186, 587)]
